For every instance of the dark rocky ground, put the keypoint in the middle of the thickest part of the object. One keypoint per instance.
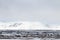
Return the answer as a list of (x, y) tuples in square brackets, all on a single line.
[(18, 34)]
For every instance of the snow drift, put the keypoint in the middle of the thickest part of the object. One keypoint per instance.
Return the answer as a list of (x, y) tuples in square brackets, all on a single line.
[(26, 26)]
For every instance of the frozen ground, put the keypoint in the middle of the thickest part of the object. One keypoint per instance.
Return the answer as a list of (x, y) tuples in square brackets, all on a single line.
[(31, 39)]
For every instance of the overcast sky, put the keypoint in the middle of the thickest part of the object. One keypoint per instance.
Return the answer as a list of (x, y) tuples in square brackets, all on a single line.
[(45, 11)]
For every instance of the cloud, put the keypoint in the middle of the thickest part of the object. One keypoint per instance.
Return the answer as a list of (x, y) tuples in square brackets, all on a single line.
[(46, 11)]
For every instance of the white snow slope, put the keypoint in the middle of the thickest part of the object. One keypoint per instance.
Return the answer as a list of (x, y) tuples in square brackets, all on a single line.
[(26, 26)]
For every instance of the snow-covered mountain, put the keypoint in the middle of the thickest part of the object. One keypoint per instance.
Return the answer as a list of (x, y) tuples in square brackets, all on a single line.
[(27, 26)]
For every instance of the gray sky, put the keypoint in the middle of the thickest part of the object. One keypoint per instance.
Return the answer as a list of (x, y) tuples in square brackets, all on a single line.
[(45, 11)]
